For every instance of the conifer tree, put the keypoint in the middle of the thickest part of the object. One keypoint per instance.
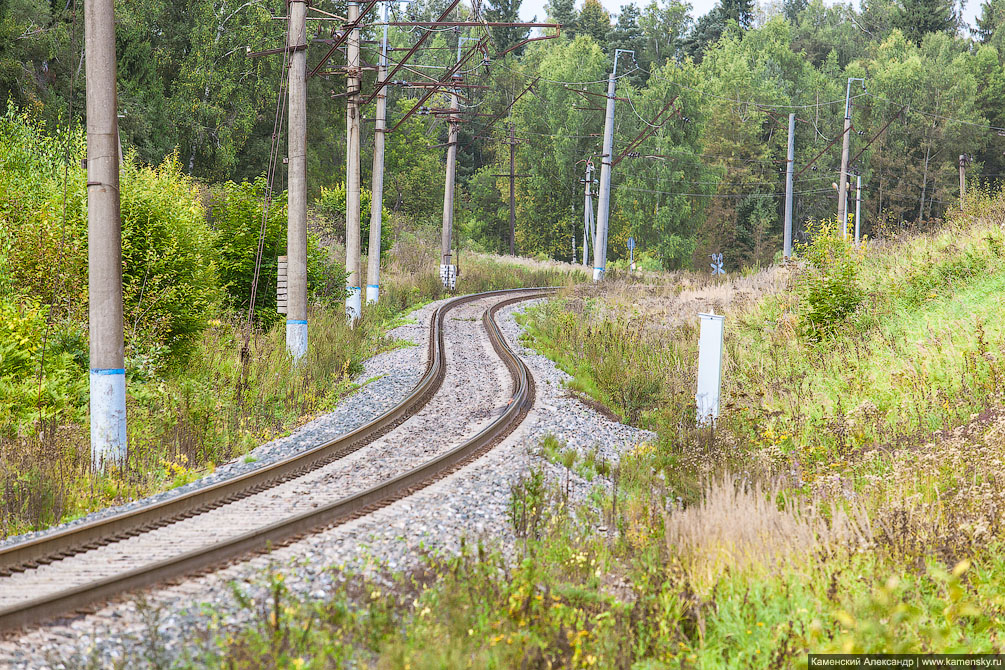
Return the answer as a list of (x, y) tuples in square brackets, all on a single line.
[(505, 11), (917, 18), (564, 12), (594, 21)]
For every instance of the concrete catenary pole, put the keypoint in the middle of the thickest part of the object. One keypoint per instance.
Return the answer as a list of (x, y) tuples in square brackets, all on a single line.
[(104, 241), (447, 269), (842, 214), (588, 211), (512, 192), (858, 208), (296, 230), (845, 148), (789, 164), (377, 184), (352, 169), (604, 199)]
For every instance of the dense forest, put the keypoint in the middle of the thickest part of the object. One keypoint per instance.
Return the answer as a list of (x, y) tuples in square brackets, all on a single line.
[(709, 179)]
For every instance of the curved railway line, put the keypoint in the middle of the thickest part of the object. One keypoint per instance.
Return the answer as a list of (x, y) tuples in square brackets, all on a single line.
[(107, 542)]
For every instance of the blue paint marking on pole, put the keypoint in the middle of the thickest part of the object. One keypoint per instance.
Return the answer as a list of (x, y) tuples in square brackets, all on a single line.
[(631, 244), (716, 264)]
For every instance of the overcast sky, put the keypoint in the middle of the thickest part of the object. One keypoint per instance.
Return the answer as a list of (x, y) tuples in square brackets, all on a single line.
[(700, 7)]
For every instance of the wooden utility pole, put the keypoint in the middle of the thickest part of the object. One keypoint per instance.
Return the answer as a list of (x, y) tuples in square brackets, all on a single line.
[(377, 183), (352, 180), (512, 176), (296, 231), (963, 179), (104, 241), (789, 165)]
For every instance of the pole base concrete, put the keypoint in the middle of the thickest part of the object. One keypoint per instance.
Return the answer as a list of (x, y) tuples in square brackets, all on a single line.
[(296, 338), (372, 294), (353, 308), (108, 418)]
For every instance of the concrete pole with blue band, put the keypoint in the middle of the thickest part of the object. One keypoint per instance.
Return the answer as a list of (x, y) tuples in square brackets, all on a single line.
[(104, 241), (354, 280), (377, 183), (296, 231)]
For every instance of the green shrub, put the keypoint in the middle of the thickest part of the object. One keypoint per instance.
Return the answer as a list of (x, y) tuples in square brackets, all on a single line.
[(236, 215), (829, 290), (62, 394), (169, 266), (331, 206)]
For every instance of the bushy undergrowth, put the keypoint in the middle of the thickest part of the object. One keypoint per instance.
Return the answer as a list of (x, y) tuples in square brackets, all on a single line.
[(188, 258), (331, 207)]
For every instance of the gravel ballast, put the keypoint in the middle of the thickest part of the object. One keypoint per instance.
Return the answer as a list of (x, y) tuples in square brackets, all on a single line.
[(471, 504)]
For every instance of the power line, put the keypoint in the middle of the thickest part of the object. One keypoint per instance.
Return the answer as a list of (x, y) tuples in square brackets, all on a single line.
[(986, 126), (722, 195)]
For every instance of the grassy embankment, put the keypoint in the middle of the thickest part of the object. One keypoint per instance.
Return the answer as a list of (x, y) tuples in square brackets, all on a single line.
[(849, 499), (188, 258)]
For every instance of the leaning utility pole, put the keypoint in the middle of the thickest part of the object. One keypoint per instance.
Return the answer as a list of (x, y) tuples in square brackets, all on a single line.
[(377, 184), (604, 201), (588, 211), (296, 231), (789, 165), (104, 241), (845, 147), (352, 169)]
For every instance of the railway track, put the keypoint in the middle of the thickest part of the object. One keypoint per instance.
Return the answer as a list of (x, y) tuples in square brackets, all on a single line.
[(85, 565)]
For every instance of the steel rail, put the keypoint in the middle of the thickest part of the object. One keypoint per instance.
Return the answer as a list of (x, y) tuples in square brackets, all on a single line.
[(289, 530), (76, 539)]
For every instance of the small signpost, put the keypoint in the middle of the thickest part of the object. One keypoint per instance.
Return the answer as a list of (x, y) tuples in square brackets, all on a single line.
[(717, 268), (709, 368), (631, 253)]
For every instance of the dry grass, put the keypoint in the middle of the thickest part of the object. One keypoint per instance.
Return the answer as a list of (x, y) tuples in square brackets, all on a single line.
[(668, 300), (741, 526)]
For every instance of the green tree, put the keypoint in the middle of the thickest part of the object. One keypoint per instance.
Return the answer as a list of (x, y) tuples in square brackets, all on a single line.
[(912, 167), (664, 28), (660, 201), (561, 137), (593, 20), (413, 172), (564, 12), (991, 19), (507, 11), (627, 34), (917, 18)]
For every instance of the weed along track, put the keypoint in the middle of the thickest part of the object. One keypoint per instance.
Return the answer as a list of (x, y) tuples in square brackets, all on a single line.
[(474, 392)]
